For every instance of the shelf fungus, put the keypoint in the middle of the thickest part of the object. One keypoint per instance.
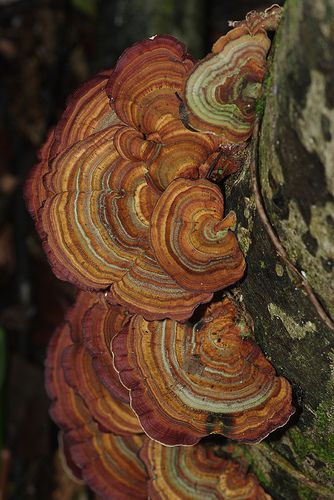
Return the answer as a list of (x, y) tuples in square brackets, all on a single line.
[(108, 463), (100, 323), (111, 465), (222, 89), (117, 153), (191, 238), (111, 413), (187, 382), (196, 472), (123, 200)]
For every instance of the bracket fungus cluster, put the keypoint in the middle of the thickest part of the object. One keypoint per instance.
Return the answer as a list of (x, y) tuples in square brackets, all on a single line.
[(189, 381), (125, 203)]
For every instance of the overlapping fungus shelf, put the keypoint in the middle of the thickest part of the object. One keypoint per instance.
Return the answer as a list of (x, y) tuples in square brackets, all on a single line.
[(109, 464), (87, 112), (66, 459), (222, 89), (187, 382), (111, 413), (191, 238), (146, 77), (123, 201), (104, 169), (196, 472), (100, 323)]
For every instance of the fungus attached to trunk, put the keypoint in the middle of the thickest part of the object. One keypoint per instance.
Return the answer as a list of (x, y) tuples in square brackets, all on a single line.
[(187, 382), (222, 89), (196, 472), (107, 165), (192, 240), (123, 201), (108, 463)]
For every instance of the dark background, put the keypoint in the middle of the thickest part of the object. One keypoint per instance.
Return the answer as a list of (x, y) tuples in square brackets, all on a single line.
[(47, 48)]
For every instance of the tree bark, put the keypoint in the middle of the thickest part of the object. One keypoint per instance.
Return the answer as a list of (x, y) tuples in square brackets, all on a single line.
[(284, 200)]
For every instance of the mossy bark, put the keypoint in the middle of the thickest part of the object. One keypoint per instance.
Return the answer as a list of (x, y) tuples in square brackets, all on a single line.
[(295, 171)]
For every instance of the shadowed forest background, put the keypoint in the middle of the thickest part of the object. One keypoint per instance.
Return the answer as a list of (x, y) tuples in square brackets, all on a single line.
[(47, 48)]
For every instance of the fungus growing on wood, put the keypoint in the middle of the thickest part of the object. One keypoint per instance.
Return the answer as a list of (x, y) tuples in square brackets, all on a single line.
[(222, 89), (111, 413), (187, 382), (127, 212), (100, 323), (196, 472), (104, 169), (192, 240), (109, 464)]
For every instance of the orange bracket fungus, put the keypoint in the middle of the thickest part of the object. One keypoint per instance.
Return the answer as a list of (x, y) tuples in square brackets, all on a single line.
[(187, 382), (192, 239), (77, 365), (196, 472), (99, 325), (120, 150), (124, 201), (109, 463), (221, 90)]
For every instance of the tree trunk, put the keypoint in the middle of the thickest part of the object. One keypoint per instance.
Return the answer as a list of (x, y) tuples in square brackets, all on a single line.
[(286, 230)]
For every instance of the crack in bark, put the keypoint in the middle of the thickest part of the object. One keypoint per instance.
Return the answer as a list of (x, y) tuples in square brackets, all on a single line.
[(301, 281), (275, 457)]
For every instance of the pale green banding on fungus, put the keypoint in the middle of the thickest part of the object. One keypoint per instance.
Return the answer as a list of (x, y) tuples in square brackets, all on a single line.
[(229, 63), (295, 330)]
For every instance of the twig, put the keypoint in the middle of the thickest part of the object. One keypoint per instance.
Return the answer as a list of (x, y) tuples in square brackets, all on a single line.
[(302, 282)]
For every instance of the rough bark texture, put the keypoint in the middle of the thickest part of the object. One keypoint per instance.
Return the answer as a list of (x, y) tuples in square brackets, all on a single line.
[(295, 171)]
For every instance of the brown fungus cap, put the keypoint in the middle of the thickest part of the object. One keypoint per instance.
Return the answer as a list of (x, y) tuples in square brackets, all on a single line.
[(108, 463), (192, 240), (71, 379), (188, 381), (222, 89), (196, 472)]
